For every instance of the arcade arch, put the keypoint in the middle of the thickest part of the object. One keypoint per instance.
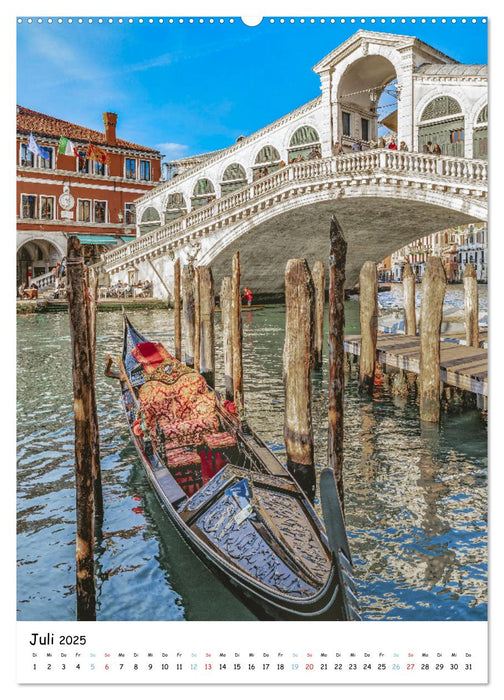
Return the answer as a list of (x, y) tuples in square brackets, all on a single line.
[(233, 178), (175, 207), (150, 220), (442, 122), (203, 193)]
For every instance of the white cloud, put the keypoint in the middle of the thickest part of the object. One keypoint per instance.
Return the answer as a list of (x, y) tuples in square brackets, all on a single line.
[(173, 150)]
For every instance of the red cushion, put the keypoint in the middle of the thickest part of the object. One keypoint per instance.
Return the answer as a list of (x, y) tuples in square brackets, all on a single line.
[(149, 353)]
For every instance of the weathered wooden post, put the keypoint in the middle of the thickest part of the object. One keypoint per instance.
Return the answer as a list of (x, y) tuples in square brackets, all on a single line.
[(318, 275), (297, 368), (83, 383), (91, 279), (237, 336), (207, 324), (197, 320), (408, 285), (471, 306), (336, 350), (177, 310), (188, 316), (227, 335), (368, 300), (431, 316)]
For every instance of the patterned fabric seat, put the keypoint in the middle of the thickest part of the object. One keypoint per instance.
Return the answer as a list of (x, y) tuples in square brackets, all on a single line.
[(185, 467), (180, 402), (218, 441)]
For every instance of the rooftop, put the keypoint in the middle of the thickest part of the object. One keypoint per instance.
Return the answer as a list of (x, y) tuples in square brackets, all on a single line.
[(28, 120)]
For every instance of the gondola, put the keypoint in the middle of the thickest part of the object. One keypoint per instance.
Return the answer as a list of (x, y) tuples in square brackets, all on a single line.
[(233, 502)]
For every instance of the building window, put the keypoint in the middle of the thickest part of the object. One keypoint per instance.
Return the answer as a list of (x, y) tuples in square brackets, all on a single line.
[(129, 214), (365, 129), (27, 157), (29, 206), (130, 168), (100, 212), (145, 170), (99, 168), (346, 123), (46, 207), (84, 210), (82, 163), (49, 163)]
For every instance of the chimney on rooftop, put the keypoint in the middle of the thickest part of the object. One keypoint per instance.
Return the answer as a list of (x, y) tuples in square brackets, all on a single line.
[(110, 121)]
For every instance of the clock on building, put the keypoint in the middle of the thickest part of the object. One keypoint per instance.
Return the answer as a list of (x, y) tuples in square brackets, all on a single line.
[(66, 200)]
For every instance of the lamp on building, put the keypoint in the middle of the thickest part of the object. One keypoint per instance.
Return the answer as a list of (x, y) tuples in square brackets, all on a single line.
[(373, 96), (120, 217)]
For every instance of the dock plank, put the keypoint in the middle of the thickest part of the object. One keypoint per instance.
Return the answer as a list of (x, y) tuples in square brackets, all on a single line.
[(461, 366)]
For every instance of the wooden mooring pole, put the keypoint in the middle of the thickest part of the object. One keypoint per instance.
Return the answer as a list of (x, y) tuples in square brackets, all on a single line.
[(237, 336), (207, 324), (336, 351), (318, 276), (188, 313), (368, 302), (297, 369), (197, 321), (91, 308), (225, 301), (471, 306), (408, 285), (431, 316), (83, 383), (177, 310)]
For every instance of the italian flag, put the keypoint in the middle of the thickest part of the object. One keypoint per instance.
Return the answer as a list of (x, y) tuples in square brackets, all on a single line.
[(66, 147)]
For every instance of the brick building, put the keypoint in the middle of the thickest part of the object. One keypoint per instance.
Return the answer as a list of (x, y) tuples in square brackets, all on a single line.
[(75, 194)]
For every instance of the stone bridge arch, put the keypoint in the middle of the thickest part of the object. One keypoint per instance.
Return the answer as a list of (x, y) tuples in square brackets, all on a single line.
[(300, 228)]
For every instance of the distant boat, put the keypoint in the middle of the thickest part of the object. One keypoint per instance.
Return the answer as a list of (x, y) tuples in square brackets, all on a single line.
[(233, 502)]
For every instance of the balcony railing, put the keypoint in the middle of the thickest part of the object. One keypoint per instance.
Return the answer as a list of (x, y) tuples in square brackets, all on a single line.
[(468, 172)]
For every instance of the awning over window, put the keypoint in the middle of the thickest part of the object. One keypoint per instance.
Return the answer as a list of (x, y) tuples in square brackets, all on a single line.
[(390, 121), (128, 239), (97, 240)]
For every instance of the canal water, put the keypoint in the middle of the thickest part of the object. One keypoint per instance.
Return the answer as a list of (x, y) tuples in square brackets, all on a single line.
[(416, 496)]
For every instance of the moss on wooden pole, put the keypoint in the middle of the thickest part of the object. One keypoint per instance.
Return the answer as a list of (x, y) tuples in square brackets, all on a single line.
[(188, 313), (207, 324), (336, 352), (431, 316), (368, 303), (225, 300), (83, 397), (318, 276), (471, 306), (297, 369), (408, 285), (177, 322)]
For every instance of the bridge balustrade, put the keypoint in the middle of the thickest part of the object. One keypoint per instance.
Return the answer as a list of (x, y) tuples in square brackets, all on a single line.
[(379, 161)]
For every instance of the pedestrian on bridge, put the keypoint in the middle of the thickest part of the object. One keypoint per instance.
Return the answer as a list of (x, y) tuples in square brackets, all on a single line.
[(427, 147)]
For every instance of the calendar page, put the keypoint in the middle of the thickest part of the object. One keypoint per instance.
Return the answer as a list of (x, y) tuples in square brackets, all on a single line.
[(252, 312)]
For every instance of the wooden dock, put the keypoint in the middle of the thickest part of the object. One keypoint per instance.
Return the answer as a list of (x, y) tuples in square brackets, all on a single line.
[(463, 367)]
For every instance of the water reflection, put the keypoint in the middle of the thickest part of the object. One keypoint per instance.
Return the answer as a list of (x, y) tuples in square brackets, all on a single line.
[(416, 498)]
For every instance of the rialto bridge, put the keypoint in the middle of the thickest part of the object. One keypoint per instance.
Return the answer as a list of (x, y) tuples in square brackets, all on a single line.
[(271, 195)]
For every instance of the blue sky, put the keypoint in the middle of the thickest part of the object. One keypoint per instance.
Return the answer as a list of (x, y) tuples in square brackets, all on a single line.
[(189, 88)]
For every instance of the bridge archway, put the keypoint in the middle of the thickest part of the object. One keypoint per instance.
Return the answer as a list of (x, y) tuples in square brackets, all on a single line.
[(303, 231), (358, 92)]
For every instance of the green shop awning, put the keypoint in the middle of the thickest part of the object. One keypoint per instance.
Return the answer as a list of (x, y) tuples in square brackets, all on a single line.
[(97, 240), (128, 239)]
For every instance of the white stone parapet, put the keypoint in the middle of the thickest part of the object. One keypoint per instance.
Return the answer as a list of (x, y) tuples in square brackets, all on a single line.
[(382, 170)]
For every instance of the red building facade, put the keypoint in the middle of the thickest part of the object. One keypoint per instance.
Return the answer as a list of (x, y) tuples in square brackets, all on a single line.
[(75, 194)]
